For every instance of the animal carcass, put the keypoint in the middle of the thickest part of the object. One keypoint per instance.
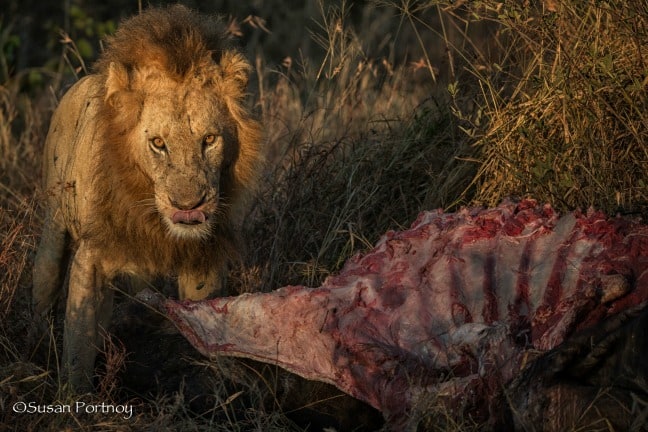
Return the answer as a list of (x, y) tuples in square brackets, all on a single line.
[(453, 308)]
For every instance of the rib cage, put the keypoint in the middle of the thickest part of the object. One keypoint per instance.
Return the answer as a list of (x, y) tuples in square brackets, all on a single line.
[(455, 306)]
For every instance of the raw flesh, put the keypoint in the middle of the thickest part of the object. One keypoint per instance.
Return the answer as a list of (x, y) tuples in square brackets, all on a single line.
[(452, 308)]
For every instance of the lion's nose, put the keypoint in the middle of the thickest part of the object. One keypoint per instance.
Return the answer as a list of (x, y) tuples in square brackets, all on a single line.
[(188, 203)]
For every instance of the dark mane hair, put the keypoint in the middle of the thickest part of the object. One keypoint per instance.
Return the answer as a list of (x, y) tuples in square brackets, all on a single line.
[(175, 38)]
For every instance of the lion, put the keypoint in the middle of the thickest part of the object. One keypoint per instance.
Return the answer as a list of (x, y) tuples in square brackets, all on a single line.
[(148, 164)]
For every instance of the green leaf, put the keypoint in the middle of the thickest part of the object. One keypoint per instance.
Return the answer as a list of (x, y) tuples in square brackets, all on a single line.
[(85, 48)]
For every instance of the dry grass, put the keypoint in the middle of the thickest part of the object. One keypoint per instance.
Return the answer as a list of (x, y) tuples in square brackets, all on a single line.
[(567, 107), (347, 195), (355, 145), (372, 114)]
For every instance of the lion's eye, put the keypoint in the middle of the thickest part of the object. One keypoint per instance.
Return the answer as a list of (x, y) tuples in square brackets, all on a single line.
[(158, 143), (210, 139)]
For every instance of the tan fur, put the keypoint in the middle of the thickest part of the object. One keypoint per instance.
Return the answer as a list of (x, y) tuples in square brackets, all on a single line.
[(165, 77)]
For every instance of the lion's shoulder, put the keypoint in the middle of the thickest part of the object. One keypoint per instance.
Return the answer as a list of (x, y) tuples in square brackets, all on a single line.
[(81, 95)]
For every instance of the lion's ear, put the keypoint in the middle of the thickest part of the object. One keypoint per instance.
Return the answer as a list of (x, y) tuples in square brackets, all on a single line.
[(125, 102), (235, 69), (116, 80)]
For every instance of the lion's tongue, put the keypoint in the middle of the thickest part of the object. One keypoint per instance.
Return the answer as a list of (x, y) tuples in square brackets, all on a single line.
[(191, 217)]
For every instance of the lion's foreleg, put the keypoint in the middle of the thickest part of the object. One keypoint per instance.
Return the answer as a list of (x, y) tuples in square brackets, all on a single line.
[(49, 264), (197, 286), (106, 296), (87, 297)]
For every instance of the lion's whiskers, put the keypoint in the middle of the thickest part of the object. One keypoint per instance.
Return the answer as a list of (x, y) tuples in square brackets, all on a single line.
[(222, 208), (146, 202), (145, 207)]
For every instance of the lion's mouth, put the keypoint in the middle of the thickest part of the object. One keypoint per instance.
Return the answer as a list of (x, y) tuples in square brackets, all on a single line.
[(188, 217)]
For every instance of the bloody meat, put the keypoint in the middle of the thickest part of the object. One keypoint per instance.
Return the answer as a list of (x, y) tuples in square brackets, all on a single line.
[(456, 306)]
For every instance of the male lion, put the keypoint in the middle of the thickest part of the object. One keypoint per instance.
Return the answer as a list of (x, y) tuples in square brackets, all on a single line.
[(147, 164)]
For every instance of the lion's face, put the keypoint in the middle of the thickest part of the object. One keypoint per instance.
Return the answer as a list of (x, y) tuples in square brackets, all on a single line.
[(185, 142), (180, 137)]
